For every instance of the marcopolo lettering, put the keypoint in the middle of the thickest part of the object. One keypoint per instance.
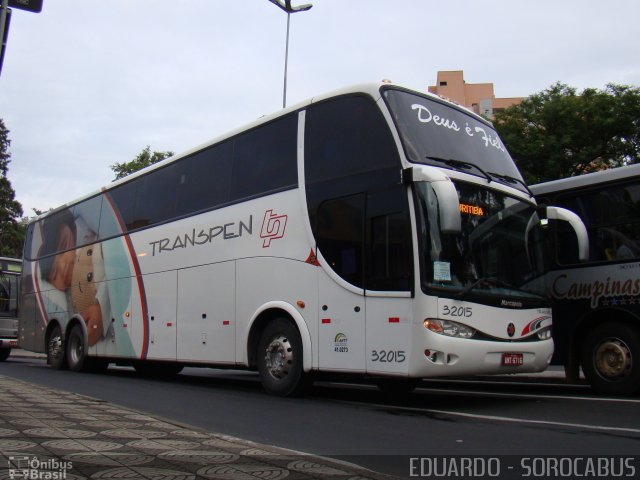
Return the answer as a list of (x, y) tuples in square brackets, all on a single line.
[(203, 236)]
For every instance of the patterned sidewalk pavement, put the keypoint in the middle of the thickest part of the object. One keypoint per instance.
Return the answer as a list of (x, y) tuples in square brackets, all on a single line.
[(47, 434)]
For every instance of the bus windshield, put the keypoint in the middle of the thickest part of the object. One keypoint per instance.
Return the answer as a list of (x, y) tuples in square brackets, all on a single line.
[(498, 251), (9, 294), (434, 133)]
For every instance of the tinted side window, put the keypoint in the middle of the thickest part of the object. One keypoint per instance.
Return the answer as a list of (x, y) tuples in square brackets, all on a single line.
[(371, 238), (87, 217), (204, 179), (156, 201), (58, 235), (388, 246), (264, 159), (612, 218), (124, 198), (59, 232), (187, 186), (341, 236), (258, 162), (349, 153), (348, 149), (346, 137)]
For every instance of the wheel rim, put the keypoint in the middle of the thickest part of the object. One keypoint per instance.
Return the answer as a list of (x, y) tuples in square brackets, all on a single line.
[(55, 347), (76, 349), (279, 357), (612, 359)]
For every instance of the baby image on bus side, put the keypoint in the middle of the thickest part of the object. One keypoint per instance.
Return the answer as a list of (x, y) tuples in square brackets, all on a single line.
[(72, 275)]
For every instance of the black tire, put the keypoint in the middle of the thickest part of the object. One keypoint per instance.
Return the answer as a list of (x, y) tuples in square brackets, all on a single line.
[(56, 356), (611, 359), (4, 354), (77, 350), (280, 359)]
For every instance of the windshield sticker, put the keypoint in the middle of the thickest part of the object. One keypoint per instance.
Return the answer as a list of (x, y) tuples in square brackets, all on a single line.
[(425, 116), (442, 271)]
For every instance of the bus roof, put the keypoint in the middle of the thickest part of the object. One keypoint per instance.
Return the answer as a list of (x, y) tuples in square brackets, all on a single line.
[(13, 265), (371, 88), (588, 179)]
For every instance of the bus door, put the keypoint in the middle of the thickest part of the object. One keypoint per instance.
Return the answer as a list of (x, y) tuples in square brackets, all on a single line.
[(341, 325), (388, 279)]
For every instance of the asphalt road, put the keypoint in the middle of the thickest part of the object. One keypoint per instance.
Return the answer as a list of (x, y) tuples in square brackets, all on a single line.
[(355, 422)]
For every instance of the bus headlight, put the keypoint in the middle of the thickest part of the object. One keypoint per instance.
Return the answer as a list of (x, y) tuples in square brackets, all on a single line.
[(544, 334), (449, 328)]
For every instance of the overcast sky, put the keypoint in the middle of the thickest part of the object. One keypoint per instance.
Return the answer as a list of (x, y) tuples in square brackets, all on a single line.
[(87, 83)]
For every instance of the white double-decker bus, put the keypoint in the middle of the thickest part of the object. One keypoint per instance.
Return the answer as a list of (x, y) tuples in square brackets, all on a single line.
[(374, 231)]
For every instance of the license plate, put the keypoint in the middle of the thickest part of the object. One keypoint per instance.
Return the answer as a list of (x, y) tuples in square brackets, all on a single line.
[(512, 359)]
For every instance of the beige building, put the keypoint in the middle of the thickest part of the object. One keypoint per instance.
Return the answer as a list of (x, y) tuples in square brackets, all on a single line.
[(478, 97)]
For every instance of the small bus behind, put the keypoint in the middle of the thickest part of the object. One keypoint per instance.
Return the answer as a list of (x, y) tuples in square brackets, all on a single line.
[(10, 269), (596, 309)]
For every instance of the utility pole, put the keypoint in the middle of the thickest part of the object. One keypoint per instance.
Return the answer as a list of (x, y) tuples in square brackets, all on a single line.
[(5, 16), (286, 6), (4, 29)]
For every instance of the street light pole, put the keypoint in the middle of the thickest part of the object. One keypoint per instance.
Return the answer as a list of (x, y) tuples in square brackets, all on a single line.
[(286, 61), (3, 28), (286, 6)]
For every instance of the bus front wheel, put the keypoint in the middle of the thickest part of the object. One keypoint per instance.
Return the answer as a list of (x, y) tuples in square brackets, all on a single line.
[(56, 356), (611, 359), (280, 359)]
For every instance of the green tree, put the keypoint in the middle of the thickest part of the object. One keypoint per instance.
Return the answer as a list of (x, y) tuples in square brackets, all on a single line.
[(142, 160), (559, 133), (11, 229)]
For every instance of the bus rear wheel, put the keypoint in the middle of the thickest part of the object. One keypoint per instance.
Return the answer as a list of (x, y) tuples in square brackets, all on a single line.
[(76, 349), (280, 359), (611, 359), (56, 356)]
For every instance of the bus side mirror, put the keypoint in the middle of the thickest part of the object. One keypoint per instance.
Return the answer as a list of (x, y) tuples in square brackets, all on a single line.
[(445, 190), (448, 206), (558, 213)]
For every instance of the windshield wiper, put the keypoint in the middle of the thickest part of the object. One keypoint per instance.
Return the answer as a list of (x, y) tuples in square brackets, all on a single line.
[(485, 281), (460, 165), (510, 179)]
